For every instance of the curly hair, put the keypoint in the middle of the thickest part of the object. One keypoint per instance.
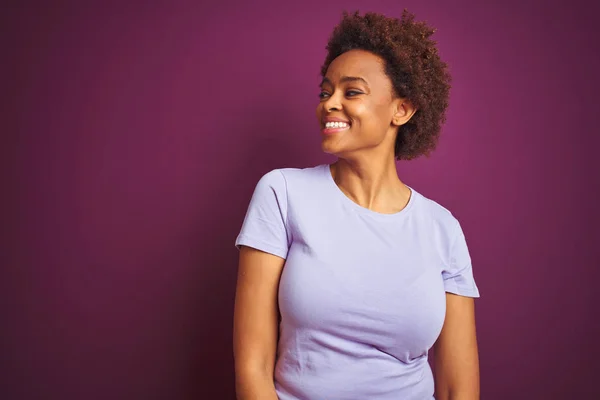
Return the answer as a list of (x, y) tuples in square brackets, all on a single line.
[(413, 65)]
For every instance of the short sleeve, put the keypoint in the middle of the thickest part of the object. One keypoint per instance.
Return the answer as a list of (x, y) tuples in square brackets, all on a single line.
[(264, 227), (458, 278)]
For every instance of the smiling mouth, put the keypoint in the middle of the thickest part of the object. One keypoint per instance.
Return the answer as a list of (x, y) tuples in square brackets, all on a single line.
[(336, 125)]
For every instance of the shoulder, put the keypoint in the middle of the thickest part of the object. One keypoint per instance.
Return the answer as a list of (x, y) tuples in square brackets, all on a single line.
[(282, 178), (308, 174), (439, 216)]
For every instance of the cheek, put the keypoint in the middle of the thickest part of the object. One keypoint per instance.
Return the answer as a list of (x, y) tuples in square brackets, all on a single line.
[(374, 111), (359, 112), (382, 109)]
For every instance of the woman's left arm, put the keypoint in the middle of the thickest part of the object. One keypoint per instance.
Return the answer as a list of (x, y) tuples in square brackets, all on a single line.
[(456, 359)]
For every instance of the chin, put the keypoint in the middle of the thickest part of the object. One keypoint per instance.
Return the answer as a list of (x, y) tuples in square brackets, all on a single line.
[(328, 148), (336, 152)]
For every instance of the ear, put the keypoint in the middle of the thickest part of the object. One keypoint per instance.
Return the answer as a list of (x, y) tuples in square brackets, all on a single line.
[(403, 112)]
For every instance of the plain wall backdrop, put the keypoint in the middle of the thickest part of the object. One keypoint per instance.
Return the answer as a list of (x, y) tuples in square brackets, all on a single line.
[(134, 136)]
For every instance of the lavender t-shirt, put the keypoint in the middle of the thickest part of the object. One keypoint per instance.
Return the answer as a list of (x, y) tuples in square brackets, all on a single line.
[(362, 294)]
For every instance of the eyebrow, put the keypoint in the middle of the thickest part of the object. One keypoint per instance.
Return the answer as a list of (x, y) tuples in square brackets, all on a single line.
[(344, 79)]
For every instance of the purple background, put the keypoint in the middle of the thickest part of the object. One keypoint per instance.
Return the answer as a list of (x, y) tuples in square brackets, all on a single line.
[(135, 136)]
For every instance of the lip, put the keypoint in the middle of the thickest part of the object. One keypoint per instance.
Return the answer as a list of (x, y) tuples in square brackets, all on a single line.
[(328, 131), (334, 119)]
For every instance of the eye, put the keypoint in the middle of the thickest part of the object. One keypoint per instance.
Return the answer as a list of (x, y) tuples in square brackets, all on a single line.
[(323, 94), (351, 93)]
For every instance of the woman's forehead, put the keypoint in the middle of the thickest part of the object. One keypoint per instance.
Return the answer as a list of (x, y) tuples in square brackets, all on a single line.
[(357, 63)]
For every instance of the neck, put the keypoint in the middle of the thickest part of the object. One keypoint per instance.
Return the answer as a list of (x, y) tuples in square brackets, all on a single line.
[(372, 183)]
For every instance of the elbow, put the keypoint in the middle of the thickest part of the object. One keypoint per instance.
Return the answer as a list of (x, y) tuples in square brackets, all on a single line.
[(465, 390), (458, 394), (254, 381), (254, 368)]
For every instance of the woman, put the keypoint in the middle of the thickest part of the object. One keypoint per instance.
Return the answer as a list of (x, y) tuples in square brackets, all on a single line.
[(347, 276)]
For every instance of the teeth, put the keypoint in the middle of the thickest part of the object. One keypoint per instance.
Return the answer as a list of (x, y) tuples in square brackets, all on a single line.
[(336, 125)]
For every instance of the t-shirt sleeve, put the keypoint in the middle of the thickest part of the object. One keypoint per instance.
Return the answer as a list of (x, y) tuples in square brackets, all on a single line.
[(458, 277), (264, 227)]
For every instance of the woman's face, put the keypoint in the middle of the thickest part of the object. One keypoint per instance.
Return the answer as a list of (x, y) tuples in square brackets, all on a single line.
[(358, 111)]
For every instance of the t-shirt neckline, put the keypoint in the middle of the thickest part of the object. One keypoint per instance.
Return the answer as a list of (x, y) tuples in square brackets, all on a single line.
[(363, 210)]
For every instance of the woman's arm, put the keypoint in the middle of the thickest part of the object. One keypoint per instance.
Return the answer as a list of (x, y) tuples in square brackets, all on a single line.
[(255, 324), (455, 351)]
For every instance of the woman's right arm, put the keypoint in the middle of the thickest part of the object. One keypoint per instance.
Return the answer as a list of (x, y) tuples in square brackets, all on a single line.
[(255, 324)]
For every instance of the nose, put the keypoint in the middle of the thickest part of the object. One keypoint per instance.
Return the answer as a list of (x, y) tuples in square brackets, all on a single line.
[(332, 103)]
